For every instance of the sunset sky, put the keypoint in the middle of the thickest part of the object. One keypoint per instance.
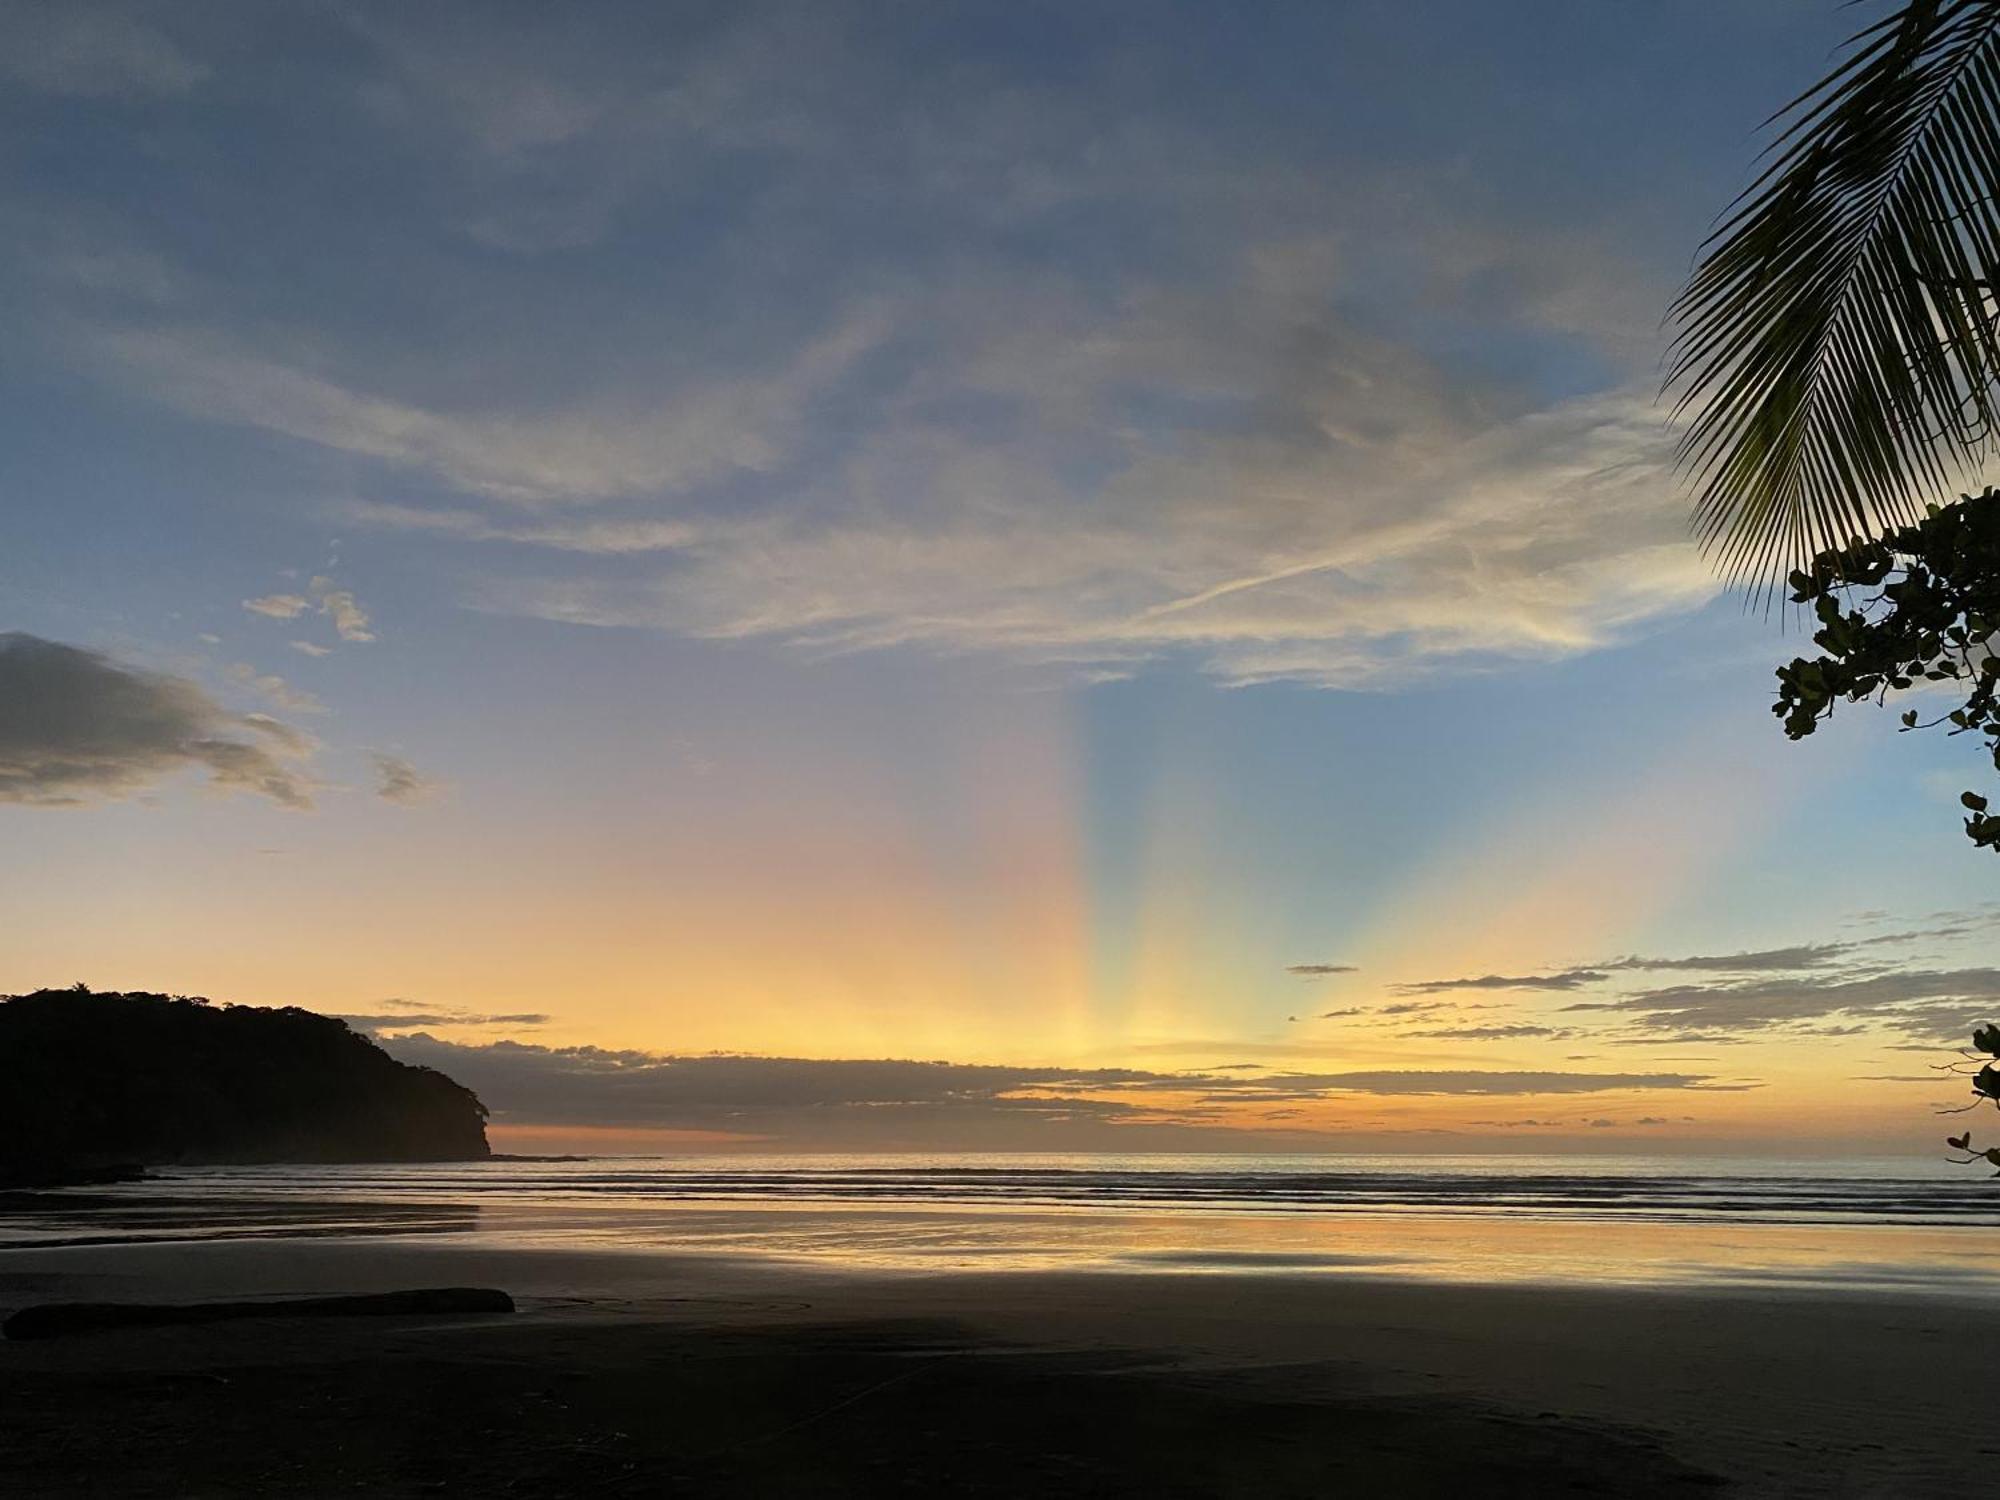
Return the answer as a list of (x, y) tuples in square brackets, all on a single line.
[(1041, 576)]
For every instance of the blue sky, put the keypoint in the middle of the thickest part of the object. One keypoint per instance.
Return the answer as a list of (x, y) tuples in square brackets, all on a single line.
[(969, 531)]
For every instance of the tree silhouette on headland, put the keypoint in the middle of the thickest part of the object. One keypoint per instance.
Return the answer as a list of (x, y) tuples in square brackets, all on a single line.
[(93, 1079)]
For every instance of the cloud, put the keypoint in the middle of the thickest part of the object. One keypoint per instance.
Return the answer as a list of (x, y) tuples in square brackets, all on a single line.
[(94, 51), (322, 597), (1068, 375), (822, 1102), (396, 780), (278, 606), (1220, 1046), (611, 447), (1566, 979), (1926, 1003), (1249, 450), (608, 536), (274, 688), (1836, 989), (1223, 560), (1528, 1124), (1801, 956), (350, 620), (1934, 1079), (1315, 971), (1599, 1123), (549, 142), (415, 1016), (1344, 511), (1417, 1081), (850, 1100), (76, 726), (1946, 925)]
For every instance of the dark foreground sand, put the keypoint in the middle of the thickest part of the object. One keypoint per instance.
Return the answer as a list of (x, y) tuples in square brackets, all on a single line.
[(643, 1375)]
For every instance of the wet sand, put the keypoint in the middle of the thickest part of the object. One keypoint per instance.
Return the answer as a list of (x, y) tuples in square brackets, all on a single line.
[(651, 1374)]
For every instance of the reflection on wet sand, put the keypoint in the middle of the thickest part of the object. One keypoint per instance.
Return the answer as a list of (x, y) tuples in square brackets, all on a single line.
[(1875, 1245)]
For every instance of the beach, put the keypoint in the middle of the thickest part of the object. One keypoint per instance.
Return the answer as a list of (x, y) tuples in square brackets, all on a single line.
[(638, 1372), (822, 748)]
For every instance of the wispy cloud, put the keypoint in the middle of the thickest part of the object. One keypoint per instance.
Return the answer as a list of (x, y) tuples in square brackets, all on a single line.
[(1930, 1002), (1519, 1031), (604, 535), (396, 780), (1800, 956), (278, 606), (350, 620), (323, 597), (1564, 979), (275, 688), (1178, 560), (1593, 1123), (1229, 470), (94, 51), (409, 1015), (1421, 1081), (613, 447), (1875, 985)]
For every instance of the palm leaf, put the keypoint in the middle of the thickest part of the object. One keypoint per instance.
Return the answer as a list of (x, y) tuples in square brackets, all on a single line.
[(1837, 354)]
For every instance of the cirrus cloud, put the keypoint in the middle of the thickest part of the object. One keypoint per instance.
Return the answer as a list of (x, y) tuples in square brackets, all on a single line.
[(940, 426), (1235, 474), (99, 51)]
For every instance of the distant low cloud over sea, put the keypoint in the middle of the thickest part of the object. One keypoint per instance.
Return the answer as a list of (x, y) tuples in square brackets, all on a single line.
[(888, 1102)]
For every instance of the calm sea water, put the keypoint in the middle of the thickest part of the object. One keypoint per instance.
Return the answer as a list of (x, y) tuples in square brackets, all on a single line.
[(1892, 1225)]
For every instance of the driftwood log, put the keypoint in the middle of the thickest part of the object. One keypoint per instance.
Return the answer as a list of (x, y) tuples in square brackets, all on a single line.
[(54, 1319)]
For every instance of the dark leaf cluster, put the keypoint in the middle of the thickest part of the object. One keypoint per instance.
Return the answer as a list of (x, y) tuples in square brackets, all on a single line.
[(1985, 1086), (1918, 604)]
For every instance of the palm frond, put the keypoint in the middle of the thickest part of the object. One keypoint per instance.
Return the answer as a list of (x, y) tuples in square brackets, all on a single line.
[(1837, 352)]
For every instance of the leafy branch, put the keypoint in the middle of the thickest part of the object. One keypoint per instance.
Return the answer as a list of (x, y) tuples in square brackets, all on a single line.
[(1918, 604), (1985, 1085)]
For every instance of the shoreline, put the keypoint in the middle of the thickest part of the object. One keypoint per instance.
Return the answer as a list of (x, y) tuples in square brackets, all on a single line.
[(1953, 1261), (1792, 1391)]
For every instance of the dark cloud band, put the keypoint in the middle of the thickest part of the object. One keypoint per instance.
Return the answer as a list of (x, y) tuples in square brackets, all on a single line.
[(76, 726)]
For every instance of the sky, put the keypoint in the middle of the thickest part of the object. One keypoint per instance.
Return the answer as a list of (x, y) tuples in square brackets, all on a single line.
[(955, 576)]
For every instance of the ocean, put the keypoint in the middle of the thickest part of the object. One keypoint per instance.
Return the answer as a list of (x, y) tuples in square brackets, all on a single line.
[(1893, 1225)]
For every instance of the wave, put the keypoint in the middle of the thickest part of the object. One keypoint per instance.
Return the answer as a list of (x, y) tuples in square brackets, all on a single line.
[(1826, 1195)]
